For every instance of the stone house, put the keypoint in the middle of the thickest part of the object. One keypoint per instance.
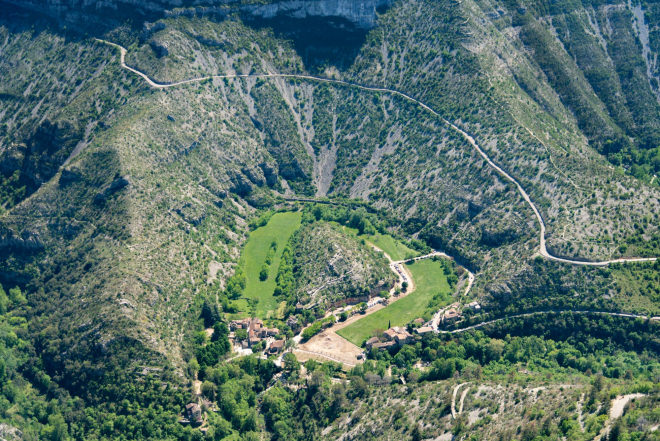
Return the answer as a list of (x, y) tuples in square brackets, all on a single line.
[(194, 413)]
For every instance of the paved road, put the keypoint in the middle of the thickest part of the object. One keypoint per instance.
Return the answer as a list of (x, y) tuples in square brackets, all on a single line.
[(542, 245)]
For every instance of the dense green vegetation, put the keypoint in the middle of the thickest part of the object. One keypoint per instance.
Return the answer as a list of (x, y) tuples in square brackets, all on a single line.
[(315, 328), (261, 258), (32, 400), (434, 279), (132, 219)]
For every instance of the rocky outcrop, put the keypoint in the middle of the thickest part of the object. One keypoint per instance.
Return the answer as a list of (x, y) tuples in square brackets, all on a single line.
[(255, 175), (240, 184), (27, 241), (270, 173), (361, 13), (10, 433), (116, 185), (193, 214)]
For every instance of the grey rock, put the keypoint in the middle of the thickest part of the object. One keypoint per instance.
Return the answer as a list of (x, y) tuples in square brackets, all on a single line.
[(270, 173), (255, 175), (362, 13), (240, 184)]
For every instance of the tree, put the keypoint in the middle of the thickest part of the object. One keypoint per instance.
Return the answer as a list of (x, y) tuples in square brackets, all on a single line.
[(290, 362), (357, 387), (56, 429), (416, 434), (615, 433), (16, 296), (263, 273), (240, 334), (220, 330), (210, 313), (4, 301), (193, 367), (209, 390)]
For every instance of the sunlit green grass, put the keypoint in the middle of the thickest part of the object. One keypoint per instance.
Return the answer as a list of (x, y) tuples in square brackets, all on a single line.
[(279, 229), (429, 279), (395, 249)]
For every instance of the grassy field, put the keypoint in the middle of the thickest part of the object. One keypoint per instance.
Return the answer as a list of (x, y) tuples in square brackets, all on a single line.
[(279, 229), (395, 249), (429, 279)]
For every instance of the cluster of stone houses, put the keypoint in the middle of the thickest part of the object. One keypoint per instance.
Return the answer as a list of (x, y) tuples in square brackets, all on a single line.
[(192, 414), (475, 306), (293, 323), (454, 314), (393, 337), (257, 332), (451, 315)]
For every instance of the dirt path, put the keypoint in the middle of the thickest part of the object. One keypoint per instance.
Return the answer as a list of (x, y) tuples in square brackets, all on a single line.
[(542, 245), (578, 408), (616, 411), (463, 395), (453, 399)]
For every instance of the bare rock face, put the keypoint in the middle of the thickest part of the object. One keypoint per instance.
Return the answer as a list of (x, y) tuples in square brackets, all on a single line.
[(27, 241), (361, 13), (10, 433)]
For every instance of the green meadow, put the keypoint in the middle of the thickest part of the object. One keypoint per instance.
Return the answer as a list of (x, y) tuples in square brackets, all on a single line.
[(279, 229), (395, 249), (429, 279)]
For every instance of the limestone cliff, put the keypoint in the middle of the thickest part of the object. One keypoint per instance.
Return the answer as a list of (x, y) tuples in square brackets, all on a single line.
[(361, 13)]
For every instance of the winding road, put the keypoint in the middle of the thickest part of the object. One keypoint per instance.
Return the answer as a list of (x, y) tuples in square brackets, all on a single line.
[(552, 311), (543, 251)]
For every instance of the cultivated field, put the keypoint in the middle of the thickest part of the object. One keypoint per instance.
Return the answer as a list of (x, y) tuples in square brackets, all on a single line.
[(279, 229), (430, 280)]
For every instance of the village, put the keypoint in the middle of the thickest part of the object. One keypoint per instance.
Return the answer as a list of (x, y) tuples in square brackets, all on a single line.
[(317, 338)]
